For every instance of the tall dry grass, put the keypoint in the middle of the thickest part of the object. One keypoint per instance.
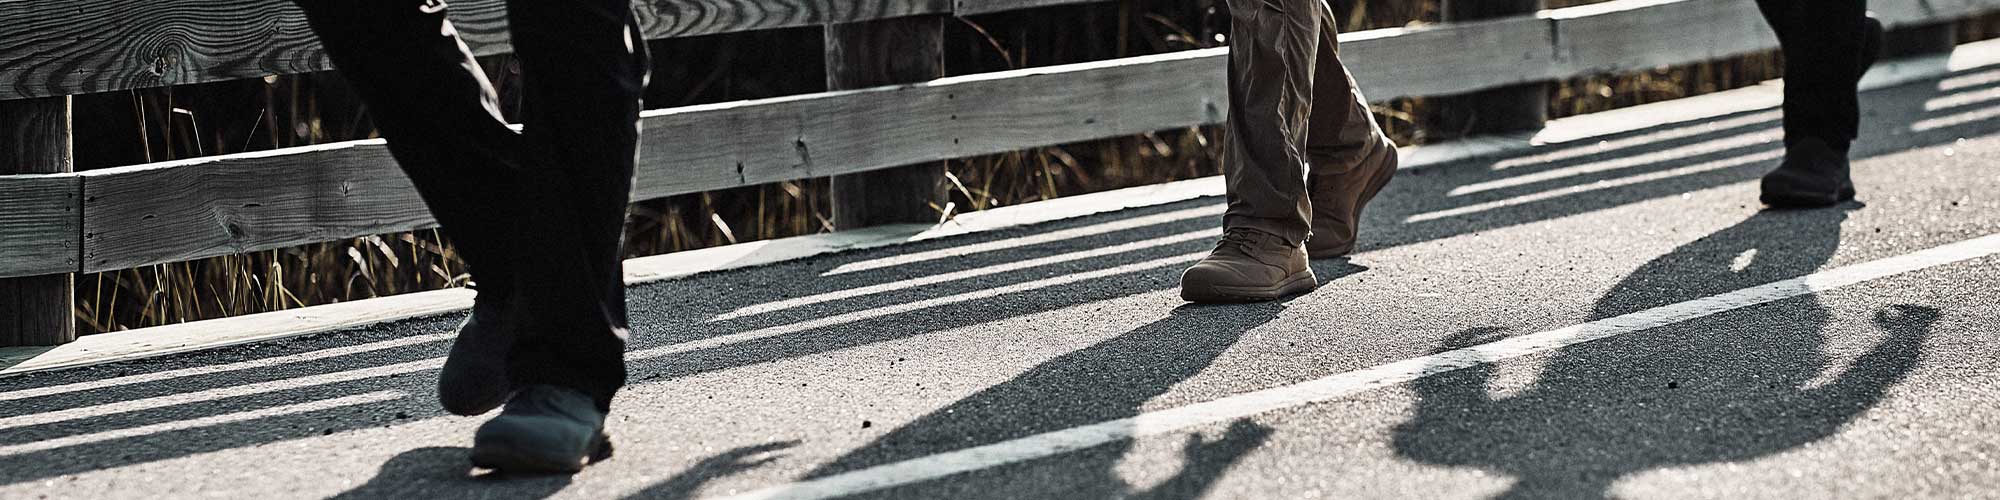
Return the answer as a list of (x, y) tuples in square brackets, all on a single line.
[(162, 124)]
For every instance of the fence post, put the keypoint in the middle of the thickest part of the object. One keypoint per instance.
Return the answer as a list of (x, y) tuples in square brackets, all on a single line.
[(873, 54), (35, 139), (1512, 108), (1920, 40)]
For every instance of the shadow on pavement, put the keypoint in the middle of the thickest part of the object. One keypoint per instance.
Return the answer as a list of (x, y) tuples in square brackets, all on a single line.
[(1421, 206), (1107, 381), (1727, 388), (442, 472)]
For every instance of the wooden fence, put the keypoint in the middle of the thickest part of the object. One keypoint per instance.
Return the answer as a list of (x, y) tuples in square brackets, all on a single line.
[(54, 223)]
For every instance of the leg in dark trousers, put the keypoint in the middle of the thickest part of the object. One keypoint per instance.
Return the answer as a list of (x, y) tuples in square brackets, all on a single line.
[(539, 214), (1828, 45)]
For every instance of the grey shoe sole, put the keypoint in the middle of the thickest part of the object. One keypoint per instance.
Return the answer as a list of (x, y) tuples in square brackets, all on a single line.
[(511, 458), (1297, 283)]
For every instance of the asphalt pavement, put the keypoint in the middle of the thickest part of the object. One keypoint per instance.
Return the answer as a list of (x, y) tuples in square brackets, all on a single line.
[(1057, 361)]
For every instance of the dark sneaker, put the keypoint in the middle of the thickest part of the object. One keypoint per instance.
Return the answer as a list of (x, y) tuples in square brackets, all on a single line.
[(545, 429), (1817, 174), (1814, 174), (1337, 201), (1249, 266), (474, 379)]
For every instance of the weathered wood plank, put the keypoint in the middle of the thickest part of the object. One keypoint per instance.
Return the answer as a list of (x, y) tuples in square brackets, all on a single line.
[(65, 47), (874, 54), (169, 212), (1639, 34), (977, 7), (698, 149), (177, 211), (1455, 58), (41, 212), (299, 196), (1901, 13), (1501, 110), (39, 224)]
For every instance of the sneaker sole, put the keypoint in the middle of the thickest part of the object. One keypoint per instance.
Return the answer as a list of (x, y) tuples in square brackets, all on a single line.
[(1297, 283), (1805, 200), (510, 459)]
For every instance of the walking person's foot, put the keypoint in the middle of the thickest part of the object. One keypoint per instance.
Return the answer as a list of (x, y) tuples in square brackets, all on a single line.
[(1337, 201), (1816, 173), (544, 429), (1249, 266), (474, 378)]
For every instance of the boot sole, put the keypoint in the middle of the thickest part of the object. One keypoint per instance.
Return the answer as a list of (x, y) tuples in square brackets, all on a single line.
[(1297, 283), (1806, 200), (512, 459)]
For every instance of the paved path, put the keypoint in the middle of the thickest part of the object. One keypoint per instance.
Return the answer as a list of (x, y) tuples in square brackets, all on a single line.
[(1605, 320)]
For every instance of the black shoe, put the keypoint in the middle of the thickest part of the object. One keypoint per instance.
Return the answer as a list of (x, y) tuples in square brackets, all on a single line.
[(1814, 174), (544, 429), (474, 379)]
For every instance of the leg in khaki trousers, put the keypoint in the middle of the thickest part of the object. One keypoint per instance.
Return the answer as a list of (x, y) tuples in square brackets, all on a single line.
[(1298, 174)]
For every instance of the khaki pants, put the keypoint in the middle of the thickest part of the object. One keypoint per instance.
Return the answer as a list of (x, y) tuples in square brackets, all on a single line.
[(1284, 57)]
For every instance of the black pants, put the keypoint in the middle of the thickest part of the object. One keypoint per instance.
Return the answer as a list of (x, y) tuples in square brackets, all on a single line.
[(538, 214), (1822, 44)]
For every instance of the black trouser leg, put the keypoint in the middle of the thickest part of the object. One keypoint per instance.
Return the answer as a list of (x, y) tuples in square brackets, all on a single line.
[(584, 66), (1822, 41), (538, 213), (426, 93)]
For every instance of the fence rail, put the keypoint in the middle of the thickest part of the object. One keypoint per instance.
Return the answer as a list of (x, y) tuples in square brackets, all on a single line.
[(167, 212)]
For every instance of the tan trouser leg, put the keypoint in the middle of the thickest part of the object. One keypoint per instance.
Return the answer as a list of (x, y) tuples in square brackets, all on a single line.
[(1279, 49)]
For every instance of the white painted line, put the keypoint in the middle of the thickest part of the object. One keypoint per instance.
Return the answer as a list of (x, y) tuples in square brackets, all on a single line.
[(1095, 253), (144, 343), (1049, 237), (682, 264), (224, 368), (194, 336), (1728, 163), (1953, 120), (220, 393), (1351, 383), (1732, 142), (1962, 99), (894, 309), (216, 394), (213, 420)]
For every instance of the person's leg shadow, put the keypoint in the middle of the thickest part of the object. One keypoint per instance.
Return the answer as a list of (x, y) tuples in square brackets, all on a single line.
[(442, 472), (1735, 386), (1107, 381)]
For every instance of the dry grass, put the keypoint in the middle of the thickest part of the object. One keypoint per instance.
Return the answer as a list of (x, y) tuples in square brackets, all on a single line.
[(160, 124)]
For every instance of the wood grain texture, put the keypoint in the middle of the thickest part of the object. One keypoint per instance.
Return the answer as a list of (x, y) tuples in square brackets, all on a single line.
[(66, 47), (698, 149), (1500, 110), (1641, 34), (976, 7), (1455, 58), (170, 212), (874, 54), (1900, 13), (38, 223), (224, 205)]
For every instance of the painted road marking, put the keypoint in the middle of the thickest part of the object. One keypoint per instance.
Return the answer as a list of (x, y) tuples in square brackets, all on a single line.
[(1347, 384)]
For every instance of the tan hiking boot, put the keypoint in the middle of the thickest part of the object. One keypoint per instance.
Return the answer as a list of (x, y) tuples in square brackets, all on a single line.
[(1249, 266), (1337, 201)]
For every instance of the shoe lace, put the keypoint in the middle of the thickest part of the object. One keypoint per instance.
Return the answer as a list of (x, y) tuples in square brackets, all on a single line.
[(1241, 240)]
